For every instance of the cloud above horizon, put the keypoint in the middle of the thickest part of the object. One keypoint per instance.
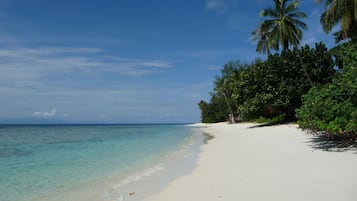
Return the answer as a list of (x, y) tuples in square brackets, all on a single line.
[(50, 113), (71, 58), (87, 84), (120, 63), (28, 67)]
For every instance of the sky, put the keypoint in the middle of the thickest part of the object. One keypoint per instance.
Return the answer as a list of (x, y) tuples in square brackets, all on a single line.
[(123, 61)]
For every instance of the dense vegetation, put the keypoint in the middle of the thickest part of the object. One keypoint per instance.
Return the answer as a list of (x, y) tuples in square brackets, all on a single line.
[(316, 86), (332, 108), (266, 89)]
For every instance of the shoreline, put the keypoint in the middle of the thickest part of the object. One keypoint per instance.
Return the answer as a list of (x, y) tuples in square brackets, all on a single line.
[(248, 162), (139, 183), (175, 164)]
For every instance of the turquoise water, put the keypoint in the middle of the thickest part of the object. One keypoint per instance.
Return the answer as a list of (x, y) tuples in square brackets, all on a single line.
[(36, 160)]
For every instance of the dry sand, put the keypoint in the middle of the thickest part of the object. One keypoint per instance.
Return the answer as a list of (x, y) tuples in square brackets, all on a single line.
[(276, 163)]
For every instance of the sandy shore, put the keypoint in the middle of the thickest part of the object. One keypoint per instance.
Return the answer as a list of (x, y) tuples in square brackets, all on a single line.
[(277, 163)]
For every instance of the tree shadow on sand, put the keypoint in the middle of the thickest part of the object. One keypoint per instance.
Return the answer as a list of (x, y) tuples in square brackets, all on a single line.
[(207, 138), (325, 142), (261, 125), (332, 143)]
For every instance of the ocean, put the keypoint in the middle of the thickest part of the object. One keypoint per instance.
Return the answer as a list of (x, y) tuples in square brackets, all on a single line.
[(88, 162)]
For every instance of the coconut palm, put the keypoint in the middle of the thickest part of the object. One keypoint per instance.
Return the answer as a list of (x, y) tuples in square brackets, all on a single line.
[(263, 44), (222, 89), (283, 27), (343, 12)]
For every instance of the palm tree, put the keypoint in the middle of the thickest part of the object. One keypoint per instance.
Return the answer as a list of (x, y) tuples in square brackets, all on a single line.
[(340, 11), (283, 27), (264, 44), (222, 89)]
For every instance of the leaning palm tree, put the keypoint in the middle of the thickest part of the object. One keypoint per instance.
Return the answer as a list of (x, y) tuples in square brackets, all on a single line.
[(343, 12), (221, 88), (283, 27)]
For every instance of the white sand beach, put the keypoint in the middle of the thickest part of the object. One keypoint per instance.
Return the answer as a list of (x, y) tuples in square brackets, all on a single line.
[(275, 163)]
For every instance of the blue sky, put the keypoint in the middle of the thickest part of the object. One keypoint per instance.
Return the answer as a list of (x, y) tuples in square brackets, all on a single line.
[(123, 61)]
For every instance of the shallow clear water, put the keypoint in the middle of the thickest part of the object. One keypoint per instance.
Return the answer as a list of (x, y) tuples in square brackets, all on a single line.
[(35, 160)]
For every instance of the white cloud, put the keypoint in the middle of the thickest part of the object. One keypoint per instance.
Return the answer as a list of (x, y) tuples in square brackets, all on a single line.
[(51, 59), (31, 67), (217, 5), (51, 113)]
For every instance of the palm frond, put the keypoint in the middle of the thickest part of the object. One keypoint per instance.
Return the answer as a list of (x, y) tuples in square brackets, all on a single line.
[(268, 12), (291, 7), (298, 23), (297, 15), (282, 28)]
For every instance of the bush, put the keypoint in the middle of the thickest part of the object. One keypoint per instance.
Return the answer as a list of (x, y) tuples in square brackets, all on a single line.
[(275, 120), (214, 111), (332, 108), (328, 109), (275, 86), (267, 89)]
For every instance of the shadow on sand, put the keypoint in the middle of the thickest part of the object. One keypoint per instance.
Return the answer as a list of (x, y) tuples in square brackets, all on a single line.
[(322, 142), (327, 143), (207, 138), (269, 124)]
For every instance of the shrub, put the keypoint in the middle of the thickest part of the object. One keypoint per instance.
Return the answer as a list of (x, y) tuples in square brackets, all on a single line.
[(328, 109), (275, 86), (332, 108), (275, 120)]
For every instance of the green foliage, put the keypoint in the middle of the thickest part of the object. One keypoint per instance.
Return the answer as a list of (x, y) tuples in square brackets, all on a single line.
[(282, 26), (345, 54), (275, 86), (214, 111), (326, 109), (222, 102), (267, 89), (332, 108), (343, 13), (275, 120)]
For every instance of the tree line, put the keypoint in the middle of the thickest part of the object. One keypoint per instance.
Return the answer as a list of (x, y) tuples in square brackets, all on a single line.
[(314, 86)]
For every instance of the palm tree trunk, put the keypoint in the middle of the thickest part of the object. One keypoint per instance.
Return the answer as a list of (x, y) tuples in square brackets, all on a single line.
[(229, 107), (286, 45)]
